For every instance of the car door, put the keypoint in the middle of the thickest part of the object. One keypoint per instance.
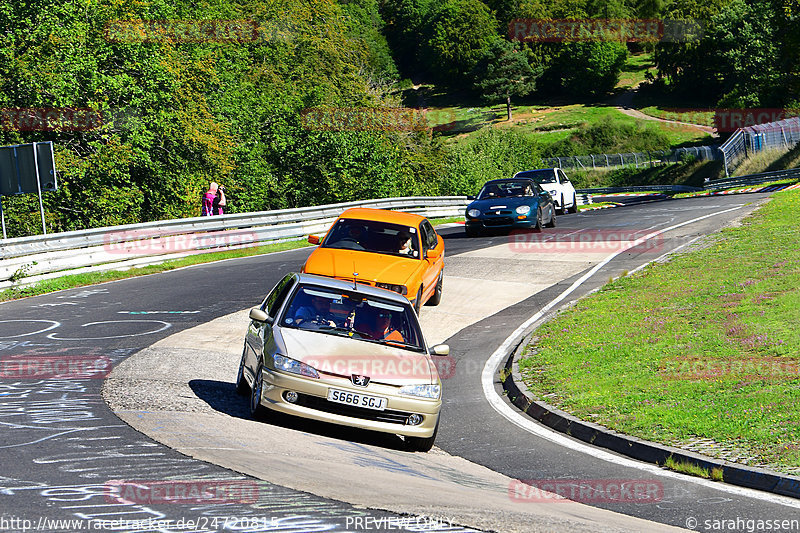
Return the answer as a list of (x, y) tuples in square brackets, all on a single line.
[(260, 333), (568, 190), (433, 266)]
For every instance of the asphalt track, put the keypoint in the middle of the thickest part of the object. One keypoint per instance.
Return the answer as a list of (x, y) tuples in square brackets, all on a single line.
[(61, 444)]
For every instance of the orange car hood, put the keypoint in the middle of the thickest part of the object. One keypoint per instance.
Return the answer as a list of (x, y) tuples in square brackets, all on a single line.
[(370, 266), (343, 356)]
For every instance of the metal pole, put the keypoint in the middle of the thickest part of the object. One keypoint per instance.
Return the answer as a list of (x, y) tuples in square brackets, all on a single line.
[(3, 217), (39, 186)]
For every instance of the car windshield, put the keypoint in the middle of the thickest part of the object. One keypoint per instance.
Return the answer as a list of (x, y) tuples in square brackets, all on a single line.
[(353, 315), (373, 236), (539, 176), (506, 189)]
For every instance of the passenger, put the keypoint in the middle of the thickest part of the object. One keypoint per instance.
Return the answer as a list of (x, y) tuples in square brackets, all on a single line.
[(383, 329)]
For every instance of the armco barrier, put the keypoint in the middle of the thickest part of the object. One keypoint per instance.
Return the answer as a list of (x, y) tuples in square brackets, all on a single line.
[(753, 179), (26, 260)]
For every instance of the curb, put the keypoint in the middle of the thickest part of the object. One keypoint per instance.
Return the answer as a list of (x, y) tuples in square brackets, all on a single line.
[(633, 447)]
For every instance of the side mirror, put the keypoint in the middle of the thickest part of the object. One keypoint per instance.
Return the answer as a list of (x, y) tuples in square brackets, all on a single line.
[(433, 253), (260, 316), (440, 349), (313, 239), (470, 197)]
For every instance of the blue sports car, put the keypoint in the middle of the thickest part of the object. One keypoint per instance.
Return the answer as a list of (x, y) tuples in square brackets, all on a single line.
[(514, 203)]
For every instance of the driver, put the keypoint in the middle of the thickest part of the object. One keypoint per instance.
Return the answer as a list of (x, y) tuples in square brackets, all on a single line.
[(405, 246), (319, 312)]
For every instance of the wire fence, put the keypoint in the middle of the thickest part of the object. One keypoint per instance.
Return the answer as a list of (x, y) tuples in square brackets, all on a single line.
[(745, 142), (636, 159)]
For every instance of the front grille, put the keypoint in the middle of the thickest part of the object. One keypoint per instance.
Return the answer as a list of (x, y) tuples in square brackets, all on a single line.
[(322, 404), (499, 221)]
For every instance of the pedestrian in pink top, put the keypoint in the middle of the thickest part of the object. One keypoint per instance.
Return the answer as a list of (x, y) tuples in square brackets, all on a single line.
[(208, 200)]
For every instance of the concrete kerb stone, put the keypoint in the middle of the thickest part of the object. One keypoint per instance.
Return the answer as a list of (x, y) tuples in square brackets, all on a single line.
[(633, 447)]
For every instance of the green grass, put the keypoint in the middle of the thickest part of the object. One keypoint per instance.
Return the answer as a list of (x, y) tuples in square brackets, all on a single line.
[(633, 72), (705, 345), (693, 469), (71, 281)]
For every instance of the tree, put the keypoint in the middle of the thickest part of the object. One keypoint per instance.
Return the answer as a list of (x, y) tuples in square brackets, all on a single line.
[(503, 72), (458, 32), (590, 67)]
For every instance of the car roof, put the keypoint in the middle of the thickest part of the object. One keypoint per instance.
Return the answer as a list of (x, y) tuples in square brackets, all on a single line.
[(341, 285), (534, 170), (501, 180), (383, 215)]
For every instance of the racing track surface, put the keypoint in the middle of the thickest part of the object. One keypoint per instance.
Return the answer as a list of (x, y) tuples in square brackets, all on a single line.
[(62, 444)]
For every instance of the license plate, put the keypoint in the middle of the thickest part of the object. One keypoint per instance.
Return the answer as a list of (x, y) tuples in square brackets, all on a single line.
[(357, 400)]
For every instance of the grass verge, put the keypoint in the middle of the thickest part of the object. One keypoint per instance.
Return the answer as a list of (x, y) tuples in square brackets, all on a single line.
[(72, 281), (701, 348), (693, 470)]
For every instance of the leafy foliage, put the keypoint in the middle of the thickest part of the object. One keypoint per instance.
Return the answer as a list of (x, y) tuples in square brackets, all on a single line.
[(503, 72)]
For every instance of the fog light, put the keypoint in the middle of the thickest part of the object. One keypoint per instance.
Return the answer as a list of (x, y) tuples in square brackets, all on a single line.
[(291, 396), (414, 420)]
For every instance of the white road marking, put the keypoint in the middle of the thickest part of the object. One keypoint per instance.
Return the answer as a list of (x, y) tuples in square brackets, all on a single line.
[(529, 425)]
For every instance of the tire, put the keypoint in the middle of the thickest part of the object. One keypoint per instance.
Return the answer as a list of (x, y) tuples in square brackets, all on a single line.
[(242, 388), (257, 411), (418, 301), (437, 294), (574, 208), (472, 232), (552, 222), (422, 444), (538, 227), (562, 207)]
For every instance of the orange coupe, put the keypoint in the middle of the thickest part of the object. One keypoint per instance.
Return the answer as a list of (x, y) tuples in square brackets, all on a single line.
[(389, 249)]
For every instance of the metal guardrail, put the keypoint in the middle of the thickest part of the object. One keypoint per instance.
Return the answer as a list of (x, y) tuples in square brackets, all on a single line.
[(638, 188), (26, 260), (753, 179)]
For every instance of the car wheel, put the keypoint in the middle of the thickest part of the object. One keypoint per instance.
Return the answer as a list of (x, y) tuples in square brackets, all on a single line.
[(437, 294), (538, 227), (472, 232), (562, 207), (422, 444), (256, 409), (418, 301), (574, 208), (552, 222), (242, 388)]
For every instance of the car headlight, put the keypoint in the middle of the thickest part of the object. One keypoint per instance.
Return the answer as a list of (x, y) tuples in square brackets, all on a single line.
[(401, 289), (423, 391), (474, 213), (292, 366), (523, 209)]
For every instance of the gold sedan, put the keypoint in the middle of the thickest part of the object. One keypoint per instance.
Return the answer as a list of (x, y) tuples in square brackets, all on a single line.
[(344, 353)]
